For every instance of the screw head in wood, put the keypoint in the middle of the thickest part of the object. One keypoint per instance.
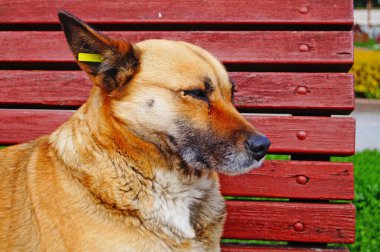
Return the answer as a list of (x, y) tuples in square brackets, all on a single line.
[(304, 48), (301, 134), (303, 9), (301, 90), (302, 179), (298, 227)]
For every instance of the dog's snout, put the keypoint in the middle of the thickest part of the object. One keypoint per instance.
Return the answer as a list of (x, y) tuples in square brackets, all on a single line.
[(259, 146)]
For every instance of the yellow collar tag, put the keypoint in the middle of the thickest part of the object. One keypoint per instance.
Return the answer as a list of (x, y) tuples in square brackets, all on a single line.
[(90, 57)]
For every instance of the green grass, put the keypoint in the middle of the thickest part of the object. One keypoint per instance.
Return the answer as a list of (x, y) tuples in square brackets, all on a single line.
[(367, 199), (277, 157), (371, 44)]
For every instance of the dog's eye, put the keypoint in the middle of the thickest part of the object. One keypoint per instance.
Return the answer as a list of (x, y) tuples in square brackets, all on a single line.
[(196, 93)]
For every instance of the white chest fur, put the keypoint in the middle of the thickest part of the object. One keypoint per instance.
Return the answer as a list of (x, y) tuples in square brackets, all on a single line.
[(173, 197)]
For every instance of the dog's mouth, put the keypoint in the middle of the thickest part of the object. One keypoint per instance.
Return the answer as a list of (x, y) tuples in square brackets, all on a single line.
[(201, 150), (223, 160)]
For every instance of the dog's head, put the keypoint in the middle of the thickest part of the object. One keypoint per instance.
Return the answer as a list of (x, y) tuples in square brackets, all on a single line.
[(172, 94)]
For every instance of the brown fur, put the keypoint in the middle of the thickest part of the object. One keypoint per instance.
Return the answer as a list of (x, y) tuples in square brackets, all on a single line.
[(142, 150)]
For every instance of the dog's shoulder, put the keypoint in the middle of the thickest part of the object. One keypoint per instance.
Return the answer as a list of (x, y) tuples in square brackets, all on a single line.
[(15, 158), (16, 208)]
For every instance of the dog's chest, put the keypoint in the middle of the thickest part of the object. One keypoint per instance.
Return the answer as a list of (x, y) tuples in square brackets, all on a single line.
[(176, 203)]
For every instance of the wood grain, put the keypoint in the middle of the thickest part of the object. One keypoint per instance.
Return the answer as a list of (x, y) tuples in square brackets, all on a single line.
[(279, 91), (243, 47), (23, 125), (259, 248), (181, 11), (281, 179), (328, 92), (62, 88), (275, 221), (324, 135)]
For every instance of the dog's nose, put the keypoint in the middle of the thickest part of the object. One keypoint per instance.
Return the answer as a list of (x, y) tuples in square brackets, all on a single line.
[(259, 146)]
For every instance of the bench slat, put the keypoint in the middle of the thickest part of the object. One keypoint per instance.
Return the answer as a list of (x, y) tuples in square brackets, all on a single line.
[(278, 91), (324, 135), (259, 248), (332, 223), (331, 92), (23, 125), (188, 12), (243, 47), (282, 179)]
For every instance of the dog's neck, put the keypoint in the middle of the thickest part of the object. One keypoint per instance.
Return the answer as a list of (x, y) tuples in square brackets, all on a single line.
[(132, 177)]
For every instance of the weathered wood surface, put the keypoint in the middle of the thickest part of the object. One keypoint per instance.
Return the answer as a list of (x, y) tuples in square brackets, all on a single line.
[(321, 132), (328, 92), (181, 11), (259, 248), (314, 135), (331, 92), (294, 179), (318, 222), (63, 88), (242, 47)]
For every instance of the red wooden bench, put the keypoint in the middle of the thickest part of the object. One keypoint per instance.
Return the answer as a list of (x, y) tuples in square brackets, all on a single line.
[(286, 56)]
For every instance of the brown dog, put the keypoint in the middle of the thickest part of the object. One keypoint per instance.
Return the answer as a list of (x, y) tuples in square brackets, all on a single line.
[(134, 169)]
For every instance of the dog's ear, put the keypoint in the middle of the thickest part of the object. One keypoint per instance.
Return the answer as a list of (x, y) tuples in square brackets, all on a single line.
[(111, 63)]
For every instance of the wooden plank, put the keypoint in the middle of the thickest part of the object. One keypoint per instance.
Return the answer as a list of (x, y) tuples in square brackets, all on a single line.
[(331, 92), (273, 91), (294, 179), (264, 248), (243, 47), (18, 126), (321, 132), (182, 11), (314, 135), (317, 222), (62, 88)]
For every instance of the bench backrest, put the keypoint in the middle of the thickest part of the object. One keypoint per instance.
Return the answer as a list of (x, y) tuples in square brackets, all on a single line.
[(287, 57)]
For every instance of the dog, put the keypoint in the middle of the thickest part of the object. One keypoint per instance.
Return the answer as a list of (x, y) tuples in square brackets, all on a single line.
[(135, 168)]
